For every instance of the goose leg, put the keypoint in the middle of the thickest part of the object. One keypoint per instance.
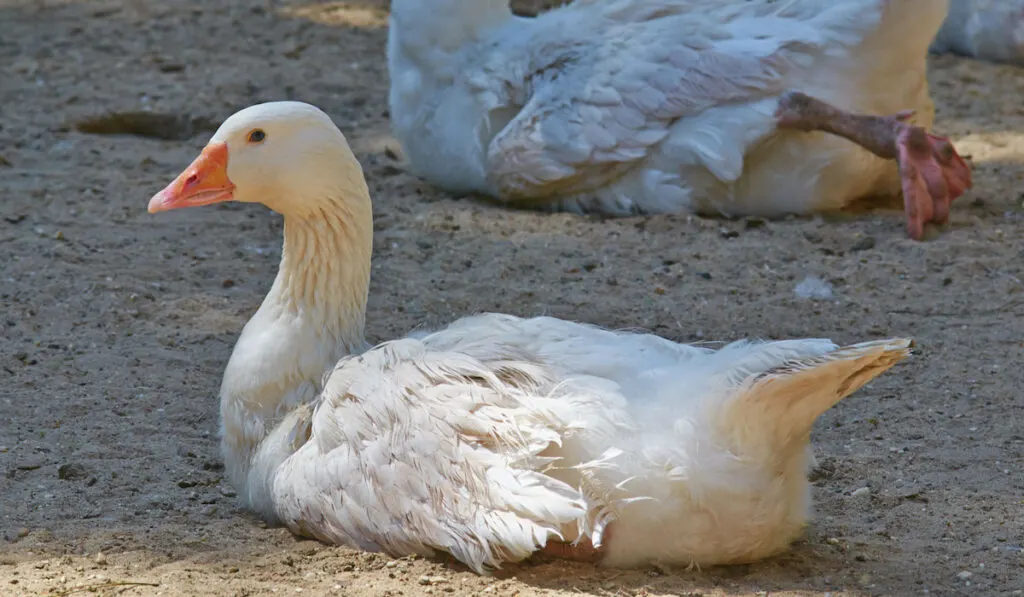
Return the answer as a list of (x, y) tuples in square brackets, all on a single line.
[(932, 174), (583, 551)]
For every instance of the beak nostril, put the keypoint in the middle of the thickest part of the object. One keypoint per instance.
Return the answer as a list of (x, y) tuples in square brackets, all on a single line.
[(191, 180)]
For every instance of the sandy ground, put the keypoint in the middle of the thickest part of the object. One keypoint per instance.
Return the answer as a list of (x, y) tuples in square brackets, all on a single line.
[(117, 324)]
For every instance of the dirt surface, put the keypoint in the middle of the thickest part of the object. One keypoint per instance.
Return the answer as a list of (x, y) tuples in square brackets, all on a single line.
[(117, 324)]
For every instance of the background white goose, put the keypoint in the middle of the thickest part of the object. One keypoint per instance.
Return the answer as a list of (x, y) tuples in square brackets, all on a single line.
[(497, 436), (649, 106), (985, 29)]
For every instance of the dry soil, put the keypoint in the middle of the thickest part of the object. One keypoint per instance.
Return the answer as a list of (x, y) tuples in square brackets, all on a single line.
[(116, 324)]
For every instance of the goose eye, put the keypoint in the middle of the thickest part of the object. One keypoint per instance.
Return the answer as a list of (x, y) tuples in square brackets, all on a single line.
[(257, 136)]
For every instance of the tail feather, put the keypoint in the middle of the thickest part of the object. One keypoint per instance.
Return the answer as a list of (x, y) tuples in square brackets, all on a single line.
[(856, 364), (775, 410)]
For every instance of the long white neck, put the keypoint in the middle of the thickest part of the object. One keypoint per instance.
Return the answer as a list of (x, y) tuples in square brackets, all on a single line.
[(313, 315), (324, 276)]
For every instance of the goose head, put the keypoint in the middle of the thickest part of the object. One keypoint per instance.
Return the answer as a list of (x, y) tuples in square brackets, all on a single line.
[(288, 156)]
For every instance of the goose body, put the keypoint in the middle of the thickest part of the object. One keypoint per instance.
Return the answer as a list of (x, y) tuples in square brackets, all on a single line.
[(496, 436), (654, 106)]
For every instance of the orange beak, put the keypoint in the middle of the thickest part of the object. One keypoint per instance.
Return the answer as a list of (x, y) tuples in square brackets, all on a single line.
[(205, 181)]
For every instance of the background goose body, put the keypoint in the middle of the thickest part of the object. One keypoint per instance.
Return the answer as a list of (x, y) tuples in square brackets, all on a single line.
[(496, 436), (629, 106)]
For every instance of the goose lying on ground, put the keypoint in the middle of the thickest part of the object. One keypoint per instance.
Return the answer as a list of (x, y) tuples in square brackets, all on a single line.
[(497, 436), (655, 106)]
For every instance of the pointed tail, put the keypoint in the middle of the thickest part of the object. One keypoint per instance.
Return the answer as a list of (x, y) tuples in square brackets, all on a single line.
[(773, 411)]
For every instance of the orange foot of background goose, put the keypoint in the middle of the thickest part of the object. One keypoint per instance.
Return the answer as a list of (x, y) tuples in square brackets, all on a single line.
[(932, 174)]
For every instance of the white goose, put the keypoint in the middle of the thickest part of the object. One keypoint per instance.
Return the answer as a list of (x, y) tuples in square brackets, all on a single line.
[(654, 106), (497, 436)]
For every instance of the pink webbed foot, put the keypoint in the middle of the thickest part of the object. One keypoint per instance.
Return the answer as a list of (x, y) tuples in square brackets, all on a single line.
[(932, 175)]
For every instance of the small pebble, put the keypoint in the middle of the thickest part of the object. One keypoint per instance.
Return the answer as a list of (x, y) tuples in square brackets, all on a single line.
[(71, 471), (101, 559), (863, 491), (865, 243), (965, 575)]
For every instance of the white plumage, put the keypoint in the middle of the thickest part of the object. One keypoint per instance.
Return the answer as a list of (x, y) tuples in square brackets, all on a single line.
[(496, 436), (653, 106)]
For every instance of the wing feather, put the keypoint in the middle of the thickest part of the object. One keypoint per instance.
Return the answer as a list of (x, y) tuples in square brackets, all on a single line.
[(593, 104), (418, 450)]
